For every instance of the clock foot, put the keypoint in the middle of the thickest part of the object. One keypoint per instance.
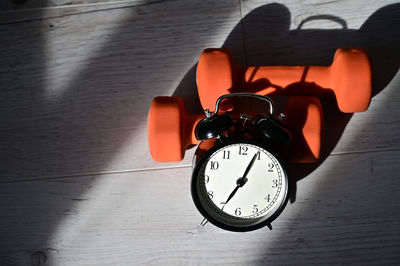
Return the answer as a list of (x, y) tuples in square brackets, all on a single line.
[(269, 226), (204, 222)]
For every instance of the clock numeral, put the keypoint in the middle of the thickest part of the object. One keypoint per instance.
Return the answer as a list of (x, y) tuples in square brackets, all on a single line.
[(268, 198), (223, 205), (206, 179), (214, 165), (238, 211), (271, 166), (274, 183), (243, 150), (210, 194), (227, 154), (258, 155), (255, 208)]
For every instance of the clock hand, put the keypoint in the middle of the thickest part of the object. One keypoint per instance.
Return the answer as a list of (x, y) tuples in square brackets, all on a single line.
[(232, 194), (241, 181), (244, 179)]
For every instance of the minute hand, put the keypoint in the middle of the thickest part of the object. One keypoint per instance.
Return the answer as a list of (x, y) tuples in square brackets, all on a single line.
[(249, 167)]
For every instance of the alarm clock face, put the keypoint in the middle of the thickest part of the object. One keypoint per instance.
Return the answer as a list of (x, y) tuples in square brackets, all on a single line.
[(240, 186)]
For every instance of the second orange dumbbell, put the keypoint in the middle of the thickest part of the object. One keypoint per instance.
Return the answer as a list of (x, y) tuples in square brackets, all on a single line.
[(348, 77), (171, 129)]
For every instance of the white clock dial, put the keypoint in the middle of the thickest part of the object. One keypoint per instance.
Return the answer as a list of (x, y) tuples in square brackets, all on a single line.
[(242, 184)]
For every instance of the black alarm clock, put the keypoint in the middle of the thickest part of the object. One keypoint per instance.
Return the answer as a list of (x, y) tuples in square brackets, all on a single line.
[(239, 181)]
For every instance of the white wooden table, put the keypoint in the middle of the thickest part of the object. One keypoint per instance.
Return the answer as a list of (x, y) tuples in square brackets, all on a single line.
[(78, 185)]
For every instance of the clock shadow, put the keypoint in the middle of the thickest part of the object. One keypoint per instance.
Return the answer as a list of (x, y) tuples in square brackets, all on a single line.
[(269, 41)]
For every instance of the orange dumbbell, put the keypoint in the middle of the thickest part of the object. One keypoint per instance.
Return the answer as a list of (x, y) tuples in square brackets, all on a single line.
[(171, 130), (348, 77)]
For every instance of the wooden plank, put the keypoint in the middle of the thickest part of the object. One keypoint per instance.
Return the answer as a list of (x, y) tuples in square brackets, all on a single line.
[(275, 33), (346, 213), (273, 37), (39, 10), (23, 5), (76, 90)]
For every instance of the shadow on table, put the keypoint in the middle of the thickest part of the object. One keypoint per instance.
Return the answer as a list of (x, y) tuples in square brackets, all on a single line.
[(33, 217)]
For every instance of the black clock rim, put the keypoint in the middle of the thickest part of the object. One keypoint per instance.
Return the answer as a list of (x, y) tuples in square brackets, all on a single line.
[(206, 215)]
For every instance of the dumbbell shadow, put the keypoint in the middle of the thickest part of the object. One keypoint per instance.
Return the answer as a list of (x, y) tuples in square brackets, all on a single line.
[(269, 41)]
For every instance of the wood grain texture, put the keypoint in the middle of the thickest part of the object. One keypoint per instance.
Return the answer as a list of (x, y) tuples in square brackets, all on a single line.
[(276, 35), (75, 88), (41, 10), (23, 5), (346, 213)]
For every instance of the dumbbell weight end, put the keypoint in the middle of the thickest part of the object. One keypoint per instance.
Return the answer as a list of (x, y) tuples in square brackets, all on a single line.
[(170, 129)]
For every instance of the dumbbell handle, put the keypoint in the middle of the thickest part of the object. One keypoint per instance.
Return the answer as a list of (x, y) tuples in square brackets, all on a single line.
[(280, 77), (188, 134)]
